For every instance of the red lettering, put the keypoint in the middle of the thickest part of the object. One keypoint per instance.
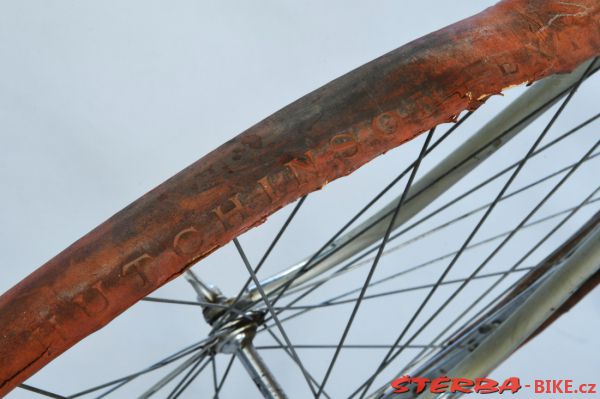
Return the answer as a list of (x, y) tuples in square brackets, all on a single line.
[(463, 385), (485, 385), (421, 383), (444, 384), (344, 144), (302, 167), (265, 184), (439, 385), (399, 384), (569, 386), (512, 384), (187, 241), (230, 212), (386, 123), (556, 386), (136, 267), (92, 301), (538, 386)]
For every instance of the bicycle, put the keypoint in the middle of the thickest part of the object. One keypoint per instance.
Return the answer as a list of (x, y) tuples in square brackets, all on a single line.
[(300, 171)]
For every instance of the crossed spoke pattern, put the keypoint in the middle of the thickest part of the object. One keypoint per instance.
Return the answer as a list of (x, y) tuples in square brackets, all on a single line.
[(188, 364), (391, 355)]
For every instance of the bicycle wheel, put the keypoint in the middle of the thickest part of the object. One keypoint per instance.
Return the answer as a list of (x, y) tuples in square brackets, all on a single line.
[(134, 265)]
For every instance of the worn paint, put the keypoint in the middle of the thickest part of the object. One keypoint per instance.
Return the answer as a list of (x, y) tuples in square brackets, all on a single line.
[(325, 135)]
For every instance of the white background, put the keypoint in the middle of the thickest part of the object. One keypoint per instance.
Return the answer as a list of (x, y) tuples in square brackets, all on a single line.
[(101, 101)]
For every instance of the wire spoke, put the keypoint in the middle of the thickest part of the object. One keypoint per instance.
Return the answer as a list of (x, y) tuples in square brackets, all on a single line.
[(391, 355), (408, 289), (360, 261), (395, 349), (388, 278), (185, 378), (274, 242), (174, 374), (286, 349), (124, 380), (388, 232), (514, 267), (41, 392), (213, 362), (346, 346), (181, 302), (224, 378), (273, 314), (422, 355), (315, 257), (471, 191), (197, 303), (189, 379), (448, 255), (492, 254)]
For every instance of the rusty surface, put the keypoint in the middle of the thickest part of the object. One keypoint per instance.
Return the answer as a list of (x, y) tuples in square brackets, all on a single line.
[(322, 136)]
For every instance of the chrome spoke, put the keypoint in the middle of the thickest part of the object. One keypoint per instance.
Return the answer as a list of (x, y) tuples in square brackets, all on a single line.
[(390, 356), (337, 299), (347, 346), (280, 291), (363, 291), (270, 248), (476, 352), (274, 315), (213, 362), (408, 289), (298, 285), (485, 262), (466, 194), (189, 378), (224, 378), (421, 355), (120, 382), (41, 392), (174, 374), (448, 172), (286, 349)]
